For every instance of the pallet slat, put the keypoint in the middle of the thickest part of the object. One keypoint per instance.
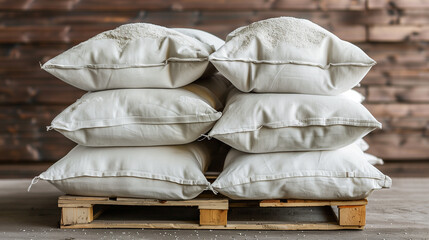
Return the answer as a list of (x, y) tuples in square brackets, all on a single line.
[(194, 225), (308, 203), (221, 204)]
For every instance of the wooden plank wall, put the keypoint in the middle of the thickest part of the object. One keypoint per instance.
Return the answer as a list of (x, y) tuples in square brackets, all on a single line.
[(395, 33)]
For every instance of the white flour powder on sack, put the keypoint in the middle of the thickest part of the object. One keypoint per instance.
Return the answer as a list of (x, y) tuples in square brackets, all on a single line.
[(133, 31), (290, 55), (296, 32)]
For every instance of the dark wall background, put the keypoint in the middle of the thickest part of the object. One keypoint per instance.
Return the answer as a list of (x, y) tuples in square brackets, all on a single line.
[(395, 33)]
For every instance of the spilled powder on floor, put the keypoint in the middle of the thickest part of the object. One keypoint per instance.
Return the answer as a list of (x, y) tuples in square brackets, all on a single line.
[(299, 33)]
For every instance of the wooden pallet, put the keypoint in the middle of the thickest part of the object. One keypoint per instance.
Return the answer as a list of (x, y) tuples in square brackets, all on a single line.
[(77, 212)]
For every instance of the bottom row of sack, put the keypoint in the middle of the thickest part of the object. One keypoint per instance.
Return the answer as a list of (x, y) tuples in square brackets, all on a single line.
[(177, 172)]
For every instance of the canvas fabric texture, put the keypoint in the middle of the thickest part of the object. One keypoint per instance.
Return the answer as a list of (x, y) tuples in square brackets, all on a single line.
[(140, 117), (341, 174), (161, 172), (137, 55), (260, 123), (290, 55)]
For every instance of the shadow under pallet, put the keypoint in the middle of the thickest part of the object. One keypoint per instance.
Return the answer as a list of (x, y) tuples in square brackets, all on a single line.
[(210, 211)]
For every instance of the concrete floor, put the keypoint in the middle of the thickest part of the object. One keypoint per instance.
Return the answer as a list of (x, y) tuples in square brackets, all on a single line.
[(401, 212)]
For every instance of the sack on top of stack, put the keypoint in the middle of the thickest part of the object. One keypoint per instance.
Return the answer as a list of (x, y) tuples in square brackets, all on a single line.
[(342, 174), (270, 122), (290, 55), (143, 117), (138, 55)]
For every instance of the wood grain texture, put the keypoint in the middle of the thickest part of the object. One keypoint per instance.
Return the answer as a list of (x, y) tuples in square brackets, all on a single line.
[(352, 215), (201, 202), (210, 217), (398, 33), (179, 5), (397, 4), (80, 215), (177, 225), (410, 94), (397, 146), (308, 203), (393, 32), (213, 213)]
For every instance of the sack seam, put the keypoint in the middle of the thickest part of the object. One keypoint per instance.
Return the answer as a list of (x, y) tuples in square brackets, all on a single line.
[(301, 123), (122, 66), (202, 118), (301, 174), (127, 173), (292, 62)]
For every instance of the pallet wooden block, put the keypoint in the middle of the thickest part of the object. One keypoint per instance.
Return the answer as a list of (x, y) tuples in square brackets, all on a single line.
[(350, 213), (77, 212)]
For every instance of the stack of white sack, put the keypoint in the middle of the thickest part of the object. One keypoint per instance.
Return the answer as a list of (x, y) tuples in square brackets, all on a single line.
[(292, 129), (137, 127)]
